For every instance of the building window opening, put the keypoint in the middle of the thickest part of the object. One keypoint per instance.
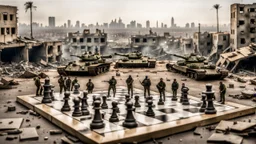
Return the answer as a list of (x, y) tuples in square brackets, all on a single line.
[(96, 40), (220, 47), (7, 31), (5, 16), (241, 10), (252, 9), (102, 40), (252, 39), (11, 17), (145, 40), (252, 30), (83, 47), (224, 38), (252, 21), (137, 40), (13, 31), (208, 43), (2, 31), (59, 48), (74, 40), (50, 49), (89, 40), (81, 40), (242, 41), (241, 22)]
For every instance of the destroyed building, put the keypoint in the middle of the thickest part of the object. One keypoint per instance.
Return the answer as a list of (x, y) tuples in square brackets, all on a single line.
[(87, 41), (203, 42), (241, 59), (243, 29), (15, 48), (187, 45)]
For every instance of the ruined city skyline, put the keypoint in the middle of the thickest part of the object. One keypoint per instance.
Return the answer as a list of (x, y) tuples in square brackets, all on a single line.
[(90, 12)]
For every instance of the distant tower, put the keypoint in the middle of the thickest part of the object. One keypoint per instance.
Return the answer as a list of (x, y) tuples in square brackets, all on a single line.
[(69, 23), (51, 21), (173, 25), (156, 24), (147, 24)]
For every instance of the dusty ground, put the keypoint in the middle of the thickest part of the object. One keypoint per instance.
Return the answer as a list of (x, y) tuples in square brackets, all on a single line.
[(27, 87)]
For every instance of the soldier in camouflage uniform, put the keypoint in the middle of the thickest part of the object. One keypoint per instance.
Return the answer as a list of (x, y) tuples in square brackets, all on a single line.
[(222, 89), (61, 83), (74, 82), (129, 82), (161, 88), (68, 84), (90, 86), (175, 87), (112, 85), (38, 85), (146, 83)]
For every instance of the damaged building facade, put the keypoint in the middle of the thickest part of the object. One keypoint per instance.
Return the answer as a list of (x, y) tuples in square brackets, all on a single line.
[(14, 48), (243, 58), (88, 41)]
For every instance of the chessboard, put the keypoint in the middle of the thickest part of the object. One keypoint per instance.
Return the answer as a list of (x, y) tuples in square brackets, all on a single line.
[(170, 118)]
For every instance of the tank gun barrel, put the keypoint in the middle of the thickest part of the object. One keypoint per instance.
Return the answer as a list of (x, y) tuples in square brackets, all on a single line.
[(119, 54), (179, 56), (76, 56)]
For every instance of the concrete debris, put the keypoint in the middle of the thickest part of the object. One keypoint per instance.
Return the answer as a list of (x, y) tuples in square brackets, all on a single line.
[(73, 139), (45, 138), (15, 131), (8, 81), (242, 86), (29, 133), (183, 79), (118, 74), (55, 132), (28, 74), (198, 131), (248, 93), (33, 113), (239, 79), (231, 86), (225, 138), (22, 112), (11, 108), (10, 138)]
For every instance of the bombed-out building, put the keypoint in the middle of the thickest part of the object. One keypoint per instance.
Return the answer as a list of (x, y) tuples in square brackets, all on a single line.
[(243, 58), (14, 48), (220, 42), (187, 45), (243, 25), (88, 41), (203, 42)]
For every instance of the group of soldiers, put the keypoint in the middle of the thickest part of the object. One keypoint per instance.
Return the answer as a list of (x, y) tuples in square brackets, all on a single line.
[(66, 84)]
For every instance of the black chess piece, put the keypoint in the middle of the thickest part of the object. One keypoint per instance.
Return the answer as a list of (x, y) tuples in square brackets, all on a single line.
[(203, 106), (47, 91), (130, 121), (97, 122), (104, 104), (85, 93), (84, 109), (66, 106), (137, 104), (181, 96), (114, 117), (93, 99), (77, 112), (210, 109), (76, 90), (160, 102), (185, 96), (150, 98), (52, 93), (150, 111), (127, 99)]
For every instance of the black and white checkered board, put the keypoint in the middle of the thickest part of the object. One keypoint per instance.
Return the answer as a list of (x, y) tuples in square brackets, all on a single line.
[(170, 111)]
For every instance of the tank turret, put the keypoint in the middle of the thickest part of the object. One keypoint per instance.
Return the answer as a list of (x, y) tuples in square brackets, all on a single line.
[(191, 58), (133, 55), (91, 57)]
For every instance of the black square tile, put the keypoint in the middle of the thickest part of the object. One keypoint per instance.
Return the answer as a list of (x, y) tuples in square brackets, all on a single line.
[(168, 110), (192, 110)]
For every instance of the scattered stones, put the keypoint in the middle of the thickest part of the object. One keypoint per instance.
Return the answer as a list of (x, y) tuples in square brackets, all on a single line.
[(11, 108), (27, 120), (15, 131), (183, 79), (231, 86), (10, 122), (10, 138), (22, 112), (46, 138), (55, 132), (33, 113), (210, 128), (38, 126), (3, 134)]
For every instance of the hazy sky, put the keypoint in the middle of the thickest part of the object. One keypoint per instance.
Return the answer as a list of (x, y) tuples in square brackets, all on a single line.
[(92, 11)]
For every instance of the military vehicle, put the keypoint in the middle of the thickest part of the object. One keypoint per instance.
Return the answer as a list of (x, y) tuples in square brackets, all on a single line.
[(196, 67), (89, 64), (135, 60)]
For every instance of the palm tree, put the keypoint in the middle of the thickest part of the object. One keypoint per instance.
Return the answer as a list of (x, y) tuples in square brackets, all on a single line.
[(217, 7), (29, 5)]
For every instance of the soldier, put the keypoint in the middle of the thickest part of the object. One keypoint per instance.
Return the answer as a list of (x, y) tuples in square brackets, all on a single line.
[(65, 87), (175, 87), (129, 82), (74, 82), (68, 84), (146, 83), (222, 89), (161, 88), (112, 85), (38, 85), (61, 84), (90, 86)]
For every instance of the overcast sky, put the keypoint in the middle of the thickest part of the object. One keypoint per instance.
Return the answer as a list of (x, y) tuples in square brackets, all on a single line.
[(92, 11)]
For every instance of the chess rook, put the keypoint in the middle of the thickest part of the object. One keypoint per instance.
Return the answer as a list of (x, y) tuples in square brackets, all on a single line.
[(97, 122), (47, 91), (130, 121), (210, 109), (66, 106)]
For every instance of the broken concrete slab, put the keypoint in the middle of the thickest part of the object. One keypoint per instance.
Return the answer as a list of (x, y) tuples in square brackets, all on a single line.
[(248, 93), (44, 63), (28, 74), (11, 108), (43, 75), (28, 134), (198, 131), (55, 132), (10, 123), (236, 126), (9, 81), (225, 138)]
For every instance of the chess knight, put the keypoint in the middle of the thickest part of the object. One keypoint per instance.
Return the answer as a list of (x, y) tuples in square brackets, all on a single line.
[(129, 82), (161, 88)]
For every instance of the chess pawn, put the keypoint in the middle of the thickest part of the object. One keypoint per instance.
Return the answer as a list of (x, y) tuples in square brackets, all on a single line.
[(210, 109), (150, 111), (104, 104), (203, 106), (150, 98), (97, 122), (181, 96), (114, 117), (66, 106), (47, 91), (52, 93), (77, 112), (185, 96), (137, 104), (130, 121), (93, 99), (127, 98), (84, 105), (76, 90), (85, 93), (160, 102)]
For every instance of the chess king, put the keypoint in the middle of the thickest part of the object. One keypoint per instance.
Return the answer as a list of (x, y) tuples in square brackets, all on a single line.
[(146, 83), (161, 88), (129, 82)]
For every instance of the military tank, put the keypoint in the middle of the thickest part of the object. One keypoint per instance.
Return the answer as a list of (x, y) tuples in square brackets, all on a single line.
[(196, 67), (88, 64), (135, 60)]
